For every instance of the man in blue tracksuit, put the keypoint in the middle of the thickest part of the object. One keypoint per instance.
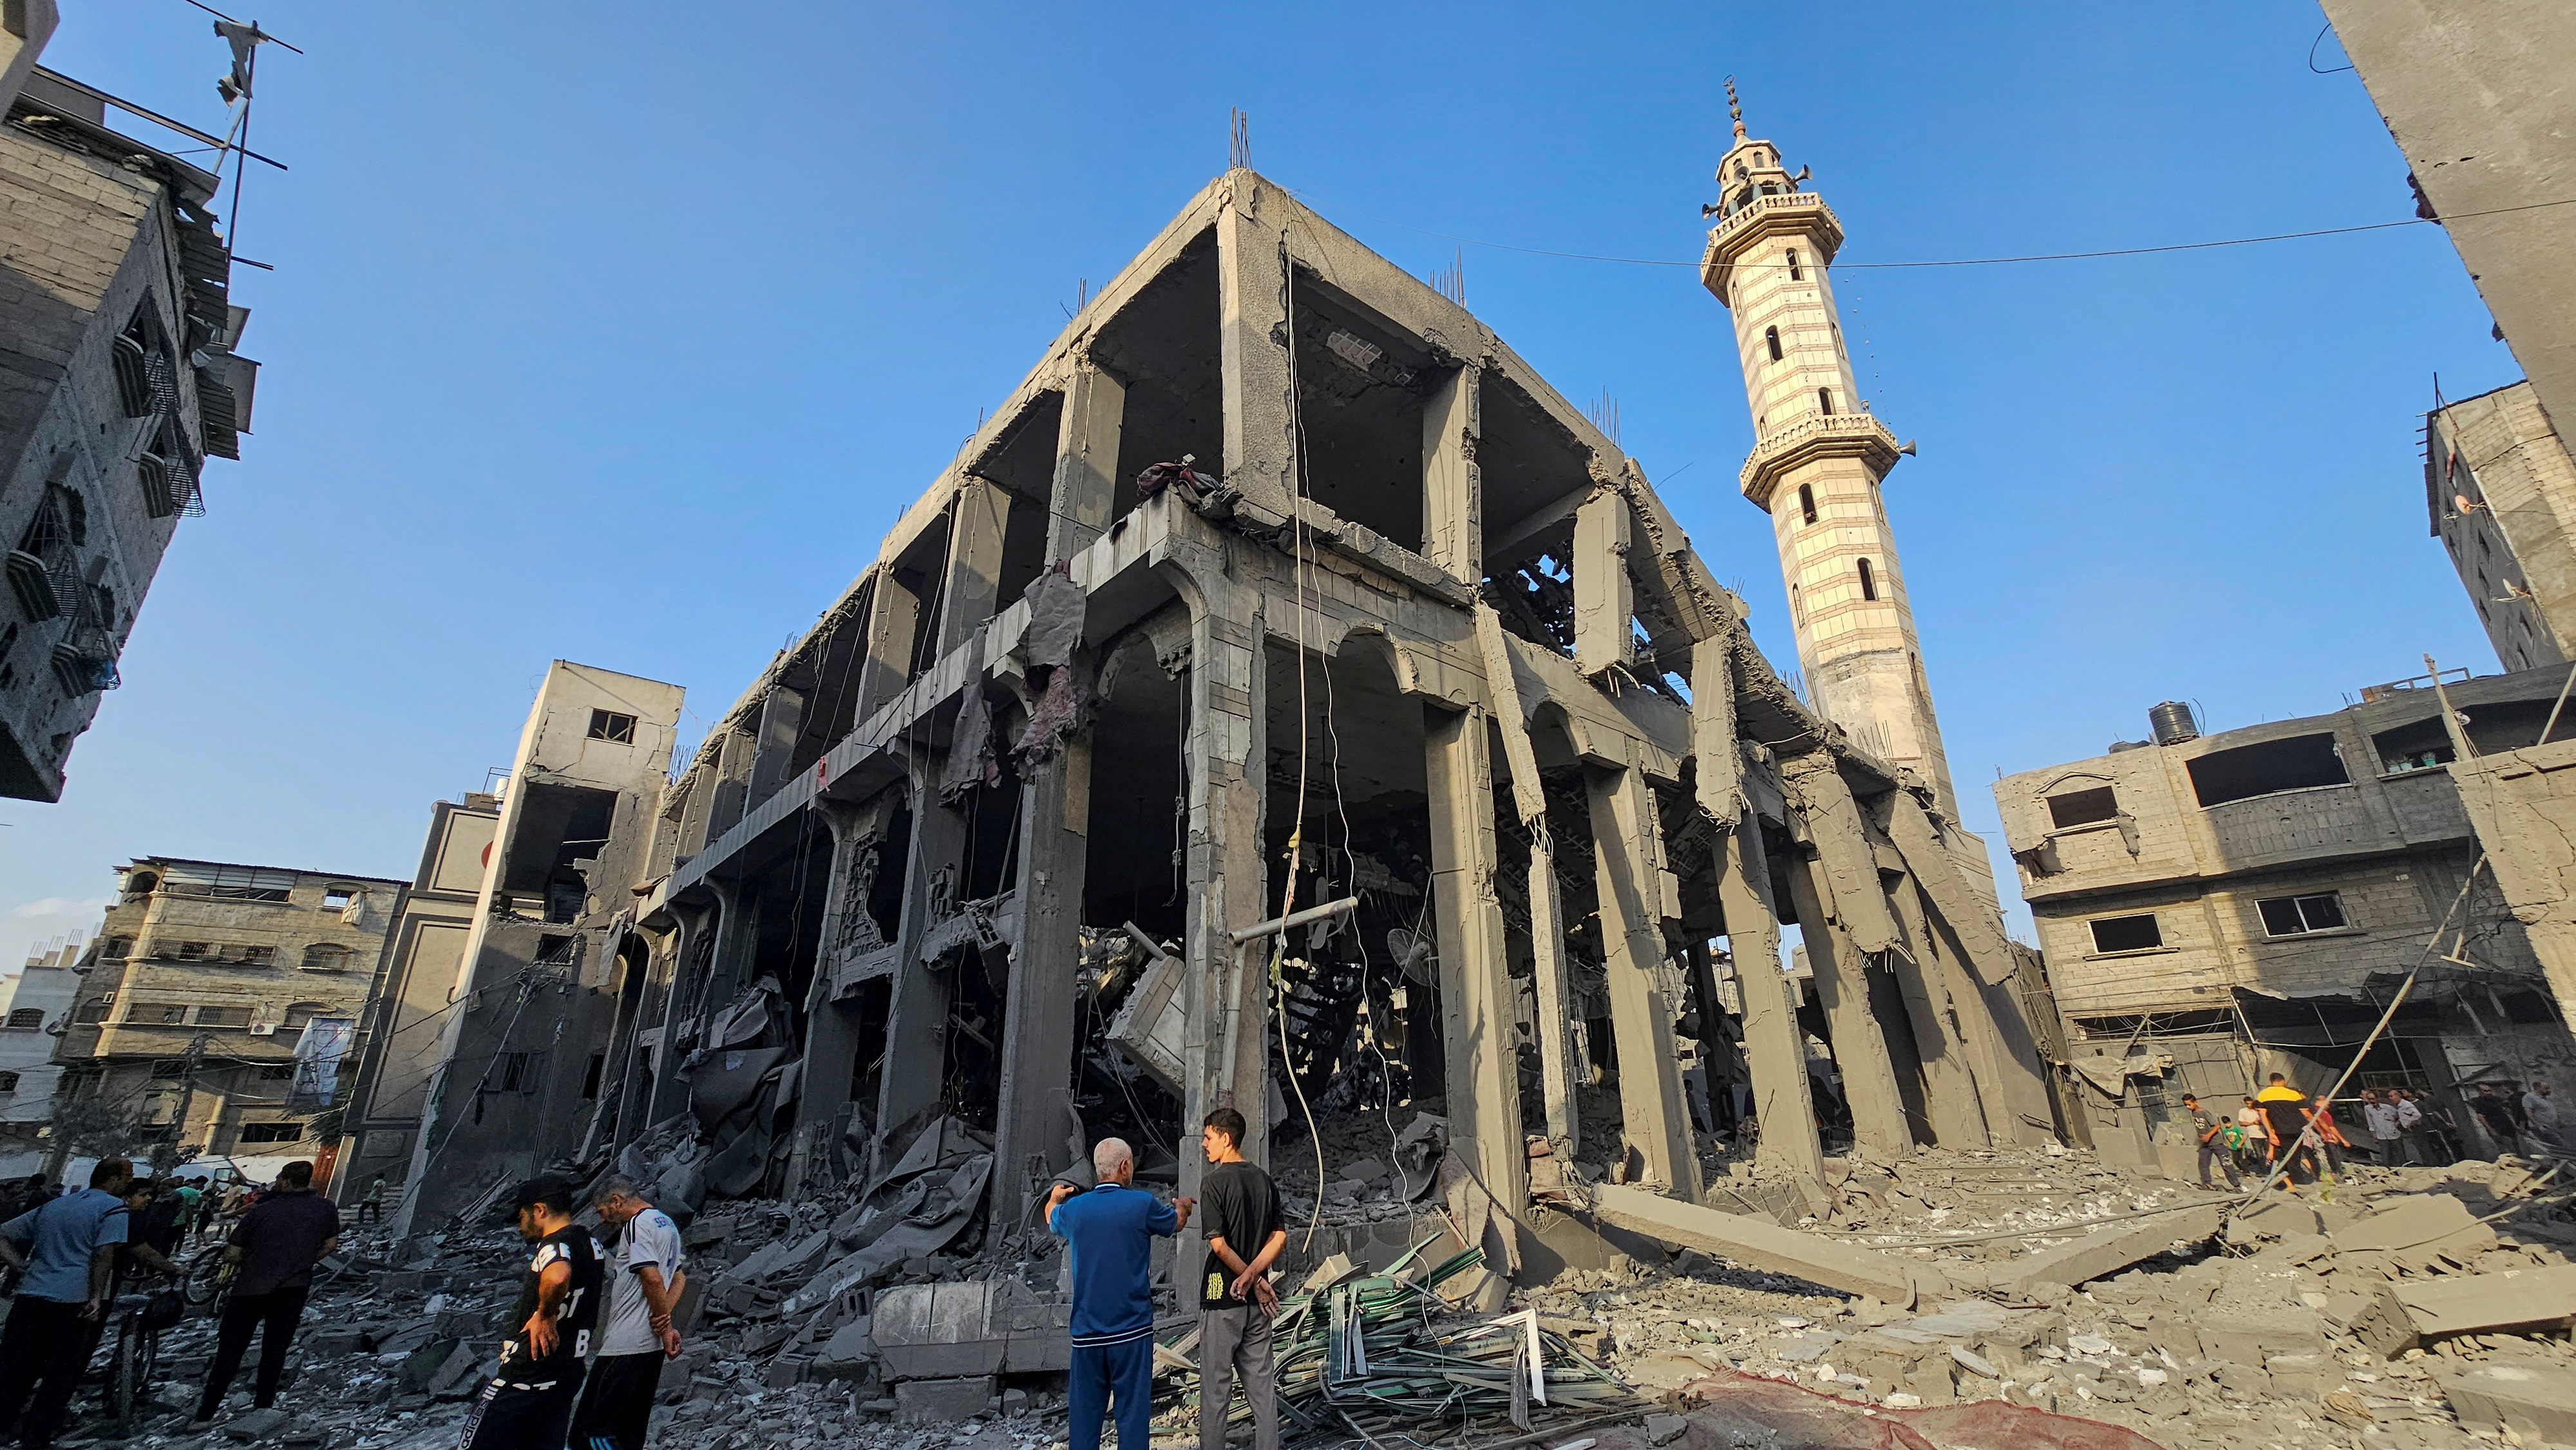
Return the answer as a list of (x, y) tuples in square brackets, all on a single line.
[(1110, 1230)]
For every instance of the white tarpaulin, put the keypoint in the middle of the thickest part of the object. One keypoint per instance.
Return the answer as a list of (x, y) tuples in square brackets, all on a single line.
[(317, 1062)]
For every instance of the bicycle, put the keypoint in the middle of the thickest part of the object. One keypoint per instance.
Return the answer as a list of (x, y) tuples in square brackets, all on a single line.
[(140, 1318), (210, 1277)]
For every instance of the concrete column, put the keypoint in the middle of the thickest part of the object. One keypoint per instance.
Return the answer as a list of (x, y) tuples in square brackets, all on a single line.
[(1720, 1061), (732, 794), (1650, 1091), (1719, 778), (1252, 338), (894, 622), (1223, 993), (782, 716), (975, 535), (831, 1037), (1605, 598), (1860, 1048), (1086, 460), (1037, 1017), (1950, 1073), (2015, 1091), (1453, 508), (1554, 1027), (1480, 1043), (1773, 1045), (917, 1005)]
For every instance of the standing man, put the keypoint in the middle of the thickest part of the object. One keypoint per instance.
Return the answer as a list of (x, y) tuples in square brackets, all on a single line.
[(2410, 1125), (644, 1283), (529, 1404), (276, 1246), (1110, 1231), (2380, 1115), (189, 1194), (68, 1249), (1246, 1231), (2206, 1125), (2496, 1113), (371, 1209), (2540, 1116)]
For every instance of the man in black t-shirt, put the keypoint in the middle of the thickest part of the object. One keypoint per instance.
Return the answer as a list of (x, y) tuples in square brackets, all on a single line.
[(1245, 1233), (528, 1406)]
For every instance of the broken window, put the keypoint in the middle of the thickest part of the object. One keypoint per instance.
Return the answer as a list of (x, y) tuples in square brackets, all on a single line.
[(93, 1010), (170, 1067), (2083, 807), (1771, 339), (2420, 746), (2299, 915), (2127, 934), (8, 1082), (555, 951), (272, 1132), (302, 1013), (2301, 762), (2532, 1009), (1868, 581), (117, 946), (515, 1072), (277, 1072), (335, 897), (612, 727), (1807, 503)]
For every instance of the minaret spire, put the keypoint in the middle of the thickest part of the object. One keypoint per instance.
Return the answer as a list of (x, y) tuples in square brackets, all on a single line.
[(1818, 456)]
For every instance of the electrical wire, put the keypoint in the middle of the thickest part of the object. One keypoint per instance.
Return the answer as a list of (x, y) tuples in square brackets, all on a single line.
[(1297, 822), (2004, 261)]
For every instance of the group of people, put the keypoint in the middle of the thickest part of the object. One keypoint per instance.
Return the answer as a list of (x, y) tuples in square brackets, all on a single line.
[(1109, 1229), (2279, 1130)]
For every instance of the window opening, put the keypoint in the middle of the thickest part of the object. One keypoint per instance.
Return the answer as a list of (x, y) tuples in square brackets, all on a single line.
[(2301, 762), (325, 956), (272, 1132), (612, 727), (2298, 915), (26, 1016), (2083, 807), (1771, 339), (8, 1082), (223, 1016), (2127, 934), (1807, 502), (1794, 274), (336, 897), (1868, 581), (1825, 401)]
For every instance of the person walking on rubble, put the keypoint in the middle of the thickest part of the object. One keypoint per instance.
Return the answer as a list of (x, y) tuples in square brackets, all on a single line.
[(2253, 1146), (277, 1244), (644, 1283), (529, 1404), (2285, 1119), (1246, 1229), (2212, 1134), (1110, 1229), (2540, 1117), (68, 1248), (2323, 1138)]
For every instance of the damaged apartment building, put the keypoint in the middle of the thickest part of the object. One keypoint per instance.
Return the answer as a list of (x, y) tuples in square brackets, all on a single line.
[(2218, 908), (1285, 700)]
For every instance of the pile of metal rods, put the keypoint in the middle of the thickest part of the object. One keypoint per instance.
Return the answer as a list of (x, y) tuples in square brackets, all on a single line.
[(1364, 1356)]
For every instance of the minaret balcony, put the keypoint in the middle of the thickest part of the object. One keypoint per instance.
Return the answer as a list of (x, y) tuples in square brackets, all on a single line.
[(1800, 215), (1818, 435)]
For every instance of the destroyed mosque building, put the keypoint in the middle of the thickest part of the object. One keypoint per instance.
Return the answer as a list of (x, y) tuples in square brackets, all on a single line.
[(1280, 588)]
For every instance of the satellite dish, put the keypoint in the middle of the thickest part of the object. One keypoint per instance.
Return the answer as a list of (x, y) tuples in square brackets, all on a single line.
[(2461, 502)]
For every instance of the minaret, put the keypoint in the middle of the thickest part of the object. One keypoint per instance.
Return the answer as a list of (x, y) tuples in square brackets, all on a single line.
[(1817, 459)]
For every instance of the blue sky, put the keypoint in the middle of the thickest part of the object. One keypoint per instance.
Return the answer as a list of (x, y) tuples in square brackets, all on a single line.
[(621, 334)]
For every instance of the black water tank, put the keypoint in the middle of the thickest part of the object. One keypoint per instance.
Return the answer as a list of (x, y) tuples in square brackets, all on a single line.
[(2171, 723)]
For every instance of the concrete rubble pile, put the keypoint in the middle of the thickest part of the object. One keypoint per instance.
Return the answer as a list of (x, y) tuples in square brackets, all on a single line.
[(2420, 1307)]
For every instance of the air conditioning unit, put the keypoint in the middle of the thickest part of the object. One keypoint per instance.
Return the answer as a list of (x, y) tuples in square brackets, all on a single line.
[(263, 1029)]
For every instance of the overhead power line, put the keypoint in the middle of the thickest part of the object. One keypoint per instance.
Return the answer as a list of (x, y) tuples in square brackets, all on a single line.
[(2006, 261)]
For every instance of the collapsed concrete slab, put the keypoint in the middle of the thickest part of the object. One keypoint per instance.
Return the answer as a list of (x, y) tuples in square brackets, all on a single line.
[(2106, 1250), (933, 1331), (2533, 1401), (1761, 1244), (2476, 1303)]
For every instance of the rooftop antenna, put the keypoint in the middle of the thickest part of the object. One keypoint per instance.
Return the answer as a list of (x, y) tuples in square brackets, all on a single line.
[(1238, 141), (245, 37)]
